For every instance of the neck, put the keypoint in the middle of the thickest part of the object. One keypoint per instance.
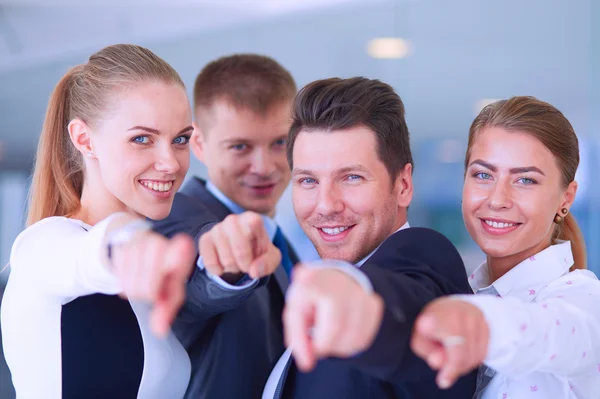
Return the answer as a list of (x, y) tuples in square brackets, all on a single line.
[(97, 203), (499, 266), (401, 220)]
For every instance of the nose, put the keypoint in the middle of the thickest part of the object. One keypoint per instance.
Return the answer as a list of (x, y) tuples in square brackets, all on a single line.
[(167, 161), (500, 196), (263, 163), (329, 200)]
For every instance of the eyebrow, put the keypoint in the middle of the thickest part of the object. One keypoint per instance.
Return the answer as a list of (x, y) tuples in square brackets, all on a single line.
[(297, 172), (513, 171), (340, 171), (157, 132), (243, 140), (352, 168)]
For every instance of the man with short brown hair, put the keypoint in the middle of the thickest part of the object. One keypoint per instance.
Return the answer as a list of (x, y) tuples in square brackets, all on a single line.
[(348, 318), (231, 322)]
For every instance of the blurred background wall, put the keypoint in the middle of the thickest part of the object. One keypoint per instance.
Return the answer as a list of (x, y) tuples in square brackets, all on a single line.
[(446, 59)]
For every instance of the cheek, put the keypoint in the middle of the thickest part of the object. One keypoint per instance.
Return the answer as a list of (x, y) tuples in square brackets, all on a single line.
[(538, 209), (282, 163), (232, 165), (364, 201), (473, 197), (303, 203), (183, 159)]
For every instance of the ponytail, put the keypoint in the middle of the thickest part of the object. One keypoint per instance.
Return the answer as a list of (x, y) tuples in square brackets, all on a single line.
[(84, 93), (569, 231), (58, 174)]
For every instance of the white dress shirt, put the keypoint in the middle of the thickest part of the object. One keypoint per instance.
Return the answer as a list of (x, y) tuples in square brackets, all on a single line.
[(544, 328)]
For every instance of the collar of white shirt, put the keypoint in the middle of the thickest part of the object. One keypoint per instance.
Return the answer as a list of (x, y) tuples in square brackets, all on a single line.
[(363, 260), (529, 277), (269, 223)]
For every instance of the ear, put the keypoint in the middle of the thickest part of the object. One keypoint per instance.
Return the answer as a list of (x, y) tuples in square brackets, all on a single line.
[(569, 197), (404, 186), (80, 137), (197, 142)]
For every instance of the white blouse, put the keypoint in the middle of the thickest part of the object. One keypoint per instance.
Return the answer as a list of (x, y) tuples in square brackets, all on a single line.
[(52, 263), (544, 328)]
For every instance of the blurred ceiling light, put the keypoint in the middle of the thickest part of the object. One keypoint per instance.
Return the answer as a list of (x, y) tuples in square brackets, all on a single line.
[(484, 102), (388, 47)]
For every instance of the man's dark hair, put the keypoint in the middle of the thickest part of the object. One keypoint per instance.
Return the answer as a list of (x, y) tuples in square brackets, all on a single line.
[(337, 104)]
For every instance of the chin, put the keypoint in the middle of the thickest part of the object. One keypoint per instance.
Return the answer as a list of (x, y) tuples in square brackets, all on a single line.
[(333, 254), (157, 214), (496, 250), (261, 207)]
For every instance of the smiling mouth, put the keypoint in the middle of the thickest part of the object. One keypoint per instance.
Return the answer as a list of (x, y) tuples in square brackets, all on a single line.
[(499, 225), (158, 186), (333, 231)]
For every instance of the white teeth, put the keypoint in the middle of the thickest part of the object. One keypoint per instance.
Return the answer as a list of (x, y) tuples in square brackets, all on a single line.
[(334, 231), (500, 225), (161, 187)]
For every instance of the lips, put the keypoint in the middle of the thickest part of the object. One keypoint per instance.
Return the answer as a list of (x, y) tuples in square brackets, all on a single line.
[(161, 189), (157, 185), (262, 189), (499, 227), (334, 233)]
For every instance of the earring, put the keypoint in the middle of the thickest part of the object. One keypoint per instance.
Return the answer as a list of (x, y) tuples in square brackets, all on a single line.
[(559, 218), (89, 154)]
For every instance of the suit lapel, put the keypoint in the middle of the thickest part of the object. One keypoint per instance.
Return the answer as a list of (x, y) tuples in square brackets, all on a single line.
[(196, 188)]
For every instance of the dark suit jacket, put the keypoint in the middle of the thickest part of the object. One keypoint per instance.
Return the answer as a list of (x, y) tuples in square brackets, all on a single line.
[(234, 338), (410, 268)]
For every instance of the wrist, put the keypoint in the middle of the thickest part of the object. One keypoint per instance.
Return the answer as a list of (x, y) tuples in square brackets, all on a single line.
[(124, 232)]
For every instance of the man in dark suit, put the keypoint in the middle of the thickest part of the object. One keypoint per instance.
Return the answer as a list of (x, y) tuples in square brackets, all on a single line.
[(348, 320), (231, 323)]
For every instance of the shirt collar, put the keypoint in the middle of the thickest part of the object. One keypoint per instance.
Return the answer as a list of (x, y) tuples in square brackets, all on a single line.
[(232, 206), (363, 260), (529, 277), (269, 223)]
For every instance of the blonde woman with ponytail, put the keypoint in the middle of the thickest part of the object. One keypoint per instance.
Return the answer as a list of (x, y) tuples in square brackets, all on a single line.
[(92, 289), (534, 325)]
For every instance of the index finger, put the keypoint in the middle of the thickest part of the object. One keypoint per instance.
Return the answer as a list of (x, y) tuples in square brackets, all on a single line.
[(253, 224), (298, 319), (241, 244), (456, 364)]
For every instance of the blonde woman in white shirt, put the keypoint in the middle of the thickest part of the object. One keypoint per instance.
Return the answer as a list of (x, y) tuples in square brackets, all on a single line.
[(534, 325), (113, 151)]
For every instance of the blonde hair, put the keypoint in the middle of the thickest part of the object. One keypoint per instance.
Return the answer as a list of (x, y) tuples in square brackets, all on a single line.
[(84, 92), (547, 124)]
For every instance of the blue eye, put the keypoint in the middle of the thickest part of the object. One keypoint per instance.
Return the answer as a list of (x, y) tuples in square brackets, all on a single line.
[(141, 140), (239, 147), (482, 175), (182, 140), (307, 180), (527, 181), (280, 142), (354, 177)]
